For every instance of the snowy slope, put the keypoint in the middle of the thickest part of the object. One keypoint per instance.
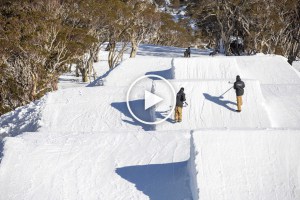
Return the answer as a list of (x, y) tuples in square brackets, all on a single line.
[(267, 69), (296, 65), (283, 104), (90, 109), (131, 69), (278, 85), (241, 164), (207, 109), (23, 119), (220, 67), (120, 165), (84, 144)]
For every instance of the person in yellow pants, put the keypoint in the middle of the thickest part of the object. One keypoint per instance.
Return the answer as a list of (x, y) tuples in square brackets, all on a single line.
[(239, 101), (180, 98), (239, 86), (178, 114)]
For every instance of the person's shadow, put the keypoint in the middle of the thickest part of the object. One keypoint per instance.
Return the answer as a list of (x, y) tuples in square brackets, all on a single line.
[(163, 114), (218, 100)]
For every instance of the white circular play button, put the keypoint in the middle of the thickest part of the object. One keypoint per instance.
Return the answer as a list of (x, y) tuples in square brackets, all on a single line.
[(152, 91), (151, 99)]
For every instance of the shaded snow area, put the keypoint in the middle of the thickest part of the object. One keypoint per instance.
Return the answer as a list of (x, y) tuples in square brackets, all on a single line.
[(82, 143), (246, 164)]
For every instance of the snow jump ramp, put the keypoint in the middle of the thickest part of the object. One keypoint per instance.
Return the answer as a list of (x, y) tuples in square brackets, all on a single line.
[(205, 68), (96, 165), (91, 109)]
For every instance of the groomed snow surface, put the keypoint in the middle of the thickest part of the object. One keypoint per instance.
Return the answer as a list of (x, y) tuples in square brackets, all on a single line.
[(81, 143)]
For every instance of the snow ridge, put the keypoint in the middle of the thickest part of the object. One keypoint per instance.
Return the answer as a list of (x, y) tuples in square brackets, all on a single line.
[(23, 119)]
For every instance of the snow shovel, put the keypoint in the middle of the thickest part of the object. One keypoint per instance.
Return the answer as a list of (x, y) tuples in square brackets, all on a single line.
[(221, 96)]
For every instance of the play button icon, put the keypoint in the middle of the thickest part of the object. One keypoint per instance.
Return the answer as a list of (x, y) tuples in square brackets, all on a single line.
[(151, 99)]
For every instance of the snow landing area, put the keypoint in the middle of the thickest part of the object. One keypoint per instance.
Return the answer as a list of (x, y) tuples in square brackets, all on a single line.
[(120, 165), (81, 142), (246, 164)]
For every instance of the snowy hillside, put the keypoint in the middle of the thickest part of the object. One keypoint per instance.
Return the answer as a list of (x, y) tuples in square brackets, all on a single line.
[(82, 142)]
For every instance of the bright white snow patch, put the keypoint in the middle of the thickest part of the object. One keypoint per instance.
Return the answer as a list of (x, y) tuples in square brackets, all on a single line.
[(245, 164), (267, 69), (206, 68), (73, 166), (91, 109)]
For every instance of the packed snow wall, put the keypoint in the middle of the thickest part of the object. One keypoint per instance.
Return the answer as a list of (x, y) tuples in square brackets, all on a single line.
[(205, 68), (268, 69), (247, 164), (192, 167), (96, 165)]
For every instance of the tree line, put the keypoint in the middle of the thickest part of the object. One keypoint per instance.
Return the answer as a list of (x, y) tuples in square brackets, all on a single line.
[(40, 39), (267, 26)]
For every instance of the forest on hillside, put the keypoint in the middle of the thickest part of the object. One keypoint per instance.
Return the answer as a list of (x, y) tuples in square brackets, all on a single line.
[(40, 39)]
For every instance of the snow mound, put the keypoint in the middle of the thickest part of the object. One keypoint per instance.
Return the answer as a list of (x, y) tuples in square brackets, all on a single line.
[(206, 68), (208, 108), (267, 69), (241, 164), (25, 118), (130, 70), (283, 104), (91, 109), (120, 165)]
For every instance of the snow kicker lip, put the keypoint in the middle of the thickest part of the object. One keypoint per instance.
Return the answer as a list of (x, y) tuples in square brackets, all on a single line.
[(152, 119)]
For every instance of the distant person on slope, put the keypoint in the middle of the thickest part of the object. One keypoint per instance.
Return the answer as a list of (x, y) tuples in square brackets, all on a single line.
[(188, 52), (180, 98), (239, 86)]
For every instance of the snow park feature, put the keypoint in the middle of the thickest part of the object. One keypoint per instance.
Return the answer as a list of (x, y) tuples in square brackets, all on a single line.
[(82, 143)]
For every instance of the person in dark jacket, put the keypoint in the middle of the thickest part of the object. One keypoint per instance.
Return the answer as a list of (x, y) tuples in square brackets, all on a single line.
[(239, 86), (180, 98), (188, 52), (185, 53)]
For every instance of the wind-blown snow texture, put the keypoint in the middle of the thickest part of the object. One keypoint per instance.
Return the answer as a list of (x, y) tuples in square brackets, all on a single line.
[(82, 142)]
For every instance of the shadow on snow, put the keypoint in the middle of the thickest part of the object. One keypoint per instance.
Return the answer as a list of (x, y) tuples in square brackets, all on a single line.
[(1, 149), (167, 74), (137, 107), (100, 80), (164, 114), (218, 100), (159, 181)]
